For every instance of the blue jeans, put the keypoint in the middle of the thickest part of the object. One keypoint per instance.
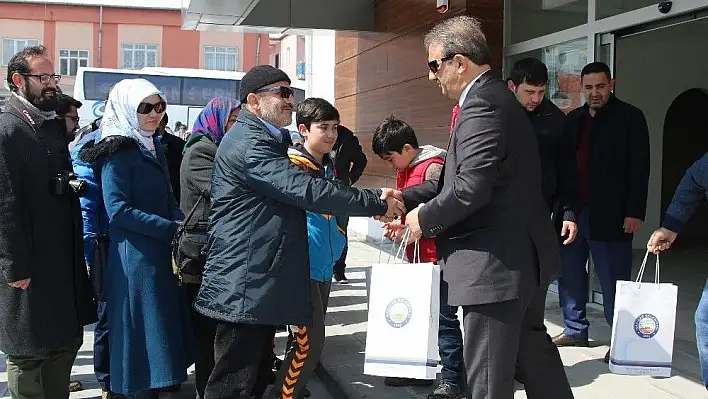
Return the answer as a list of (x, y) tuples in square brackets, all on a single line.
[(612, 260), (702, 333), (101, 359), (450, 342)]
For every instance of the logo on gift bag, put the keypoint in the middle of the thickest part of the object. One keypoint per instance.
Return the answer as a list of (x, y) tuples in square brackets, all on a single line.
[(399, 312), (646, 325)]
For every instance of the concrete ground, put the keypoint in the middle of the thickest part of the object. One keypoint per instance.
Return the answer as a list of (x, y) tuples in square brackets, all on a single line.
[(341, 372), (590, 378)]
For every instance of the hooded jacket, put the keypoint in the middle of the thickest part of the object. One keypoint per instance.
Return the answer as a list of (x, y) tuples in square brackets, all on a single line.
[(325, 238)]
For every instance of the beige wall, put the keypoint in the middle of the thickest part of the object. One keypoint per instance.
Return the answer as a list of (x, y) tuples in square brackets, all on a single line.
[(288, 64), (140, 34), (14, 29), (72, 36), (225, 39)]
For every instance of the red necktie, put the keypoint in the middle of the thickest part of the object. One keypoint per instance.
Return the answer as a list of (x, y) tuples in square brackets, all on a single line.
[(455, 114)]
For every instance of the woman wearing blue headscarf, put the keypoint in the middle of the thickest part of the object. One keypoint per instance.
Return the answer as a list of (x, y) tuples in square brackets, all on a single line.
[(195, 182), (148, 320)]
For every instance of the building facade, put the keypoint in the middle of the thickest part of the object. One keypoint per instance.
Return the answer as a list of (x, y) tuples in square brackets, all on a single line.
[(287, 52), (111, 37)]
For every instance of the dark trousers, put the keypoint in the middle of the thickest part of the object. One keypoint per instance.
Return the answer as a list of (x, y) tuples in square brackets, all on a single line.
[(342, 262), (305, 345), (242, 361), (204, 329), (34, 377), (500, 335), (613, 262), (450, 342), (101, 356)]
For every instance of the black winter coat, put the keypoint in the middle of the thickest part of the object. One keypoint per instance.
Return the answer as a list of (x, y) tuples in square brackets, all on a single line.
[(40, 238), (618, 166), (257, 269)]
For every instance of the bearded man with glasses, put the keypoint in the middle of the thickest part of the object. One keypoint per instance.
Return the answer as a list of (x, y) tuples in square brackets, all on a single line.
[(45, 296)]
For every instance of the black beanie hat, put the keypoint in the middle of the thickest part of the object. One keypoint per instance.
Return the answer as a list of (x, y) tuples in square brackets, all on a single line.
[(259, 77)]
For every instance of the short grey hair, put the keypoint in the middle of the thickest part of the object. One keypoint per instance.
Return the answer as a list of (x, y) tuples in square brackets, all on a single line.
[(461, 35)]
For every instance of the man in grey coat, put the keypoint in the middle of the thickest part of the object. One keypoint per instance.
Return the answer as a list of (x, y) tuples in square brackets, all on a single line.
[(45, 296), (495, 243)]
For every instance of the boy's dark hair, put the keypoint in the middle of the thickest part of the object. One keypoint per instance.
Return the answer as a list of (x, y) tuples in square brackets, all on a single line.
[(19, 63), (596, 67), (313, 110), (391, 135), (530, 71), (65, 102)]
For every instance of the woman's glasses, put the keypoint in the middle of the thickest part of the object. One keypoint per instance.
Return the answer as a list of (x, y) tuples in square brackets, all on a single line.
[(146, 108)]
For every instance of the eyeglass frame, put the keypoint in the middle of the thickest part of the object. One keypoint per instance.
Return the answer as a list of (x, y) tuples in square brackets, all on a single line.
[(434, 65), (278, 90), (44, 78)]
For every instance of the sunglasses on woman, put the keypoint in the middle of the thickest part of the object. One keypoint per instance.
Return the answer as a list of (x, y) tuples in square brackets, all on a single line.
[(146, 108), (283, 91)]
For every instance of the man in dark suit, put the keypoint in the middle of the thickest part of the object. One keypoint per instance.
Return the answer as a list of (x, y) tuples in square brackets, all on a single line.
[(495, 241)]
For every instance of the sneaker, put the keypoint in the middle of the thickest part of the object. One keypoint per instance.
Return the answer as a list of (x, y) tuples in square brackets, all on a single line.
[(111, 395), (407, 382), (340, 278), (446, 391)]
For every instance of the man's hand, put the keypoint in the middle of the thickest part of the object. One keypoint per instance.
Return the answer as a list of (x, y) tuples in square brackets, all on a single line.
[(22, 284), (631, 224), (394, 202), (661, 240), (413, 224), (569, 229), (394, 230)]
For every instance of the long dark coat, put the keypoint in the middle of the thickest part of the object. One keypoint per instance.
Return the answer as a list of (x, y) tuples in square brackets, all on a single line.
[(40, 238)]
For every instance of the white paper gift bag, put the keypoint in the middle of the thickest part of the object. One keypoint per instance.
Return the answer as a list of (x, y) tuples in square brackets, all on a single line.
[(402, 333), (643, 327)]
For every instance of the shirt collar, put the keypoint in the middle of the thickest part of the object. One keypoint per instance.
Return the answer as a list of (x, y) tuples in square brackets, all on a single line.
[(276, 132), (467, 89)]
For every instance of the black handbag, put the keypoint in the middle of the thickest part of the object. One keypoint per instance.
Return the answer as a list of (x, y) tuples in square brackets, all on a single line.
[(99, 261), (189, 245)]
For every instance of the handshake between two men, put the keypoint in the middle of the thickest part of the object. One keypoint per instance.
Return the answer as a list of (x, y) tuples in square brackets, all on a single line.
[(394, 227)]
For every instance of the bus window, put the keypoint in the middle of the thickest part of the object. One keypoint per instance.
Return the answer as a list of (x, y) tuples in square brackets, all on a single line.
[(168, 85), (97, 84), (299, 96), (199, 91)]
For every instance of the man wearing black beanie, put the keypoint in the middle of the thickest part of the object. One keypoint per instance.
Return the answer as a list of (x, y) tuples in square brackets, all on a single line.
[(257, 272)]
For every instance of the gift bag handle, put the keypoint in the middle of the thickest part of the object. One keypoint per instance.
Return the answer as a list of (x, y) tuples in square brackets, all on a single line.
[(640, 275), (399, 252)]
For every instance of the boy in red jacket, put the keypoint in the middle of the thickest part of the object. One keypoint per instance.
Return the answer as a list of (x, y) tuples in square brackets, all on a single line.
[(395, 142)]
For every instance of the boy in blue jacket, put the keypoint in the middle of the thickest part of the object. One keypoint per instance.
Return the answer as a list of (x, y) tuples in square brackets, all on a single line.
[(317, 122)]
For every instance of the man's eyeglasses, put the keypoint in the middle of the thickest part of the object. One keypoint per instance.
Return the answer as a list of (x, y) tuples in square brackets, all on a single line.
[(44, 78), (146, 108), (283, 91), (435, 65)]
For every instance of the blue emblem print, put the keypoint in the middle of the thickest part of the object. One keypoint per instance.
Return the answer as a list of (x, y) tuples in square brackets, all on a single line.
[(98, 108), (646, 325), (399, 312)]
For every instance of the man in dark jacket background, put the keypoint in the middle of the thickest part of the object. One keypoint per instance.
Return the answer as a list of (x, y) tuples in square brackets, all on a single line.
[(257, 272), (349, 163), (174, 147), (612, 142), (559, 168), (45, 296)]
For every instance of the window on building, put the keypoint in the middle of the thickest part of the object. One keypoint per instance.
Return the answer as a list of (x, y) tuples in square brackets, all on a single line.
[(277, 61), (12, 46), (218, 58), (138, 56), (71, 60), (287, 56)]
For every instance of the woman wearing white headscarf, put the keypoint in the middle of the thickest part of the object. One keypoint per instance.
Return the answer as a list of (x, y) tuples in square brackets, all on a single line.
[(149, 334)]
